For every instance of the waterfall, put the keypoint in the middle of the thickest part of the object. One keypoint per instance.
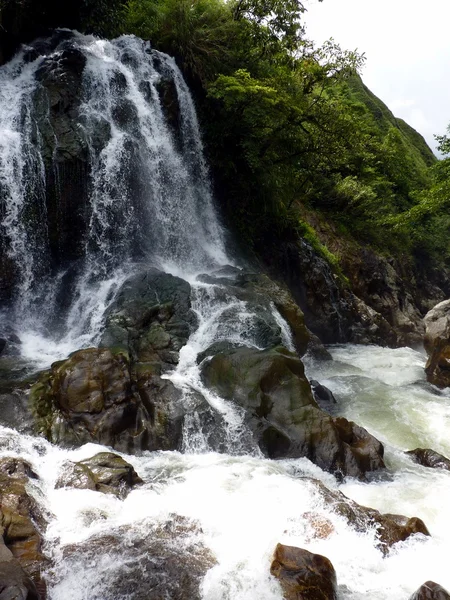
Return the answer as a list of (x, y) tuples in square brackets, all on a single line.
[(148, 196)]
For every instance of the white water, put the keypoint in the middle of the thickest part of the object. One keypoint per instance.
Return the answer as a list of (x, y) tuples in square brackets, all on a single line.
[(149, 191), (246, 504)]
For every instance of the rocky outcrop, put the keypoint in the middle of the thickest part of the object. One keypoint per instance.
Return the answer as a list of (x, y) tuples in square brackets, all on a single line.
[(168, 560), (93, 397), (115, 395), (151, 319), (390, 528), (437, 344), (429, 458), (303, 575), (373, 299), (21, 526), (105, 472), (430, 591), (283, 415)]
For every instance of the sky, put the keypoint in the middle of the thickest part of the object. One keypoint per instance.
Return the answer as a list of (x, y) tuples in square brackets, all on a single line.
[(407, 49)]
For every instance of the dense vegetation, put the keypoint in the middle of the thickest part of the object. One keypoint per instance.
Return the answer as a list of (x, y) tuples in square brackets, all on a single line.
[(287, 125)]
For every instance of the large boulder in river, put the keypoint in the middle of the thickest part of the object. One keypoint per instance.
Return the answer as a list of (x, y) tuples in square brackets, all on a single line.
[(430, 591), (390, 528), (304, 575), (105, 472), (282, 414), (429, 458), (94, 396), (437, 344)]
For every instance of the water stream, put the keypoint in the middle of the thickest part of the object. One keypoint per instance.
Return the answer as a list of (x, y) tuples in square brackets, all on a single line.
[(247, 504)]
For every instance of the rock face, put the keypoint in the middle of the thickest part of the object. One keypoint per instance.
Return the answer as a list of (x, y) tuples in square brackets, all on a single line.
[(151, 319), (93, 397), (429, 458), (390, 528), (21, 558), (430, 591), (283, 415), (105, 472), (381, 301), (303, 575), (146, 562), (115, 396), (437, 344), (14, 582)]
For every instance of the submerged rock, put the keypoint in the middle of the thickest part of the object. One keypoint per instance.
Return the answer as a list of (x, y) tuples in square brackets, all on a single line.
[(437, 344), (429, 458), (430, 591), (282, 414), (146, 561), (390, 528), (303, 575), (105, 472)]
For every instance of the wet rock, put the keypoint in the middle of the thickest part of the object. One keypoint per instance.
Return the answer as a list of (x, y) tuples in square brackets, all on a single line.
[(303, 575), (96, 396), (9, 342), (429, 458), (147, 561), (21, 525), (15, 584), (323, 396), (105, 472), (151, 318), (390, 528), (282, 414), (430, 591), (437, 344)]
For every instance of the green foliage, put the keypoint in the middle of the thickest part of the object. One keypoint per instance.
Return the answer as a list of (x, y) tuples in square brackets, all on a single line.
[(198, 33)]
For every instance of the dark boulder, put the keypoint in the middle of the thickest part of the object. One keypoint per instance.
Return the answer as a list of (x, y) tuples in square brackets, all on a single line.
[(151, 318), (94, 396), (105, 472), (282, 414), (429, 458), (430, 591), (262, 294), (15, 584), (303, 575), (322, 395), (390, 528)]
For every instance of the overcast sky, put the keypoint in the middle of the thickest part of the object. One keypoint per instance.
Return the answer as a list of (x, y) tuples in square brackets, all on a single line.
[(407, 48)]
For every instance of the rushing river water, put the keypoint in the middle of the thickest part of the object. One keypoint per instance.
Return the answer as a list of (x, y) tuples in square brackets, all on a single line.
[(247, 504)]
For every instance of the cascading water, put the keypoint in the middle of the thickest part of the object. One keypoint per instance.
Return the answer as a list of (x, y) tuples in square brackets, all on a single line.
[(148, 195), (148, 202)]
